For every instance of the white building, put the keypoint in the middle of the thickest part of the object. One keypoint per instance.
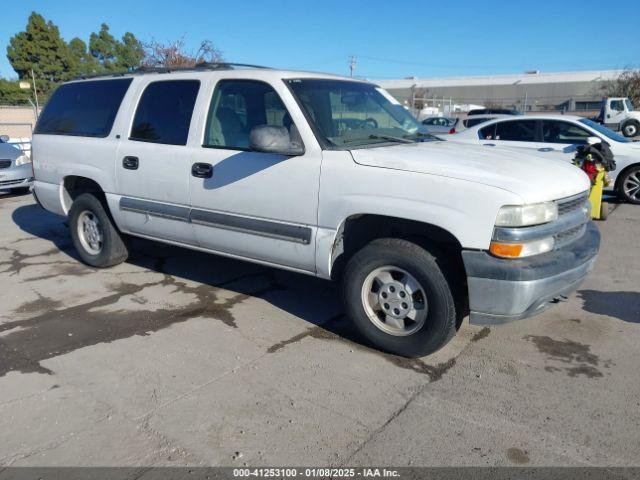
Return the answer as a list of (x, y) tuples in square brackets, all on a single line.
[(569, 91)]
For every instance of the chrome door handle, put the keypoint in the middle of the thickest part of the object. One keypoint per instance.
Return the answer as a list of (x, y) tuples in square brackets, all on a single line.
[(546, 149)]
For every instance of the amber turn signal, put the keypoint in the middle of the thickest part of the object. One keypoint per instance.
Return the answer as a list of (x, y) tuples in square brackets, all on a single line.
[(506, 250)]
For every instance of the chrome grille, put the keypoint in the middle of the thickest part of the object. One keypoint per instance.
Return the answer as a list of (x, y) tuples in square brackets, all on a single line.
[(568, 236), (571, 204), (5, 163), (11, 182)]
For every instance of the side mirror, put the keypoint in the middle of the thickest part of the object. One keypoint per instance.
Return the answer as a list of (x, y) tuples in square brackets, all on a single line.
[(593, 140), (270, 139), (4, 138)]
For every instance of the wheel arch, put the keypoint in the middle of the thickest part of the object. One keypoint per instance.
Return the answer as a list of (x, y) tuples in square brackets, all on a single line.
[(74, 185), (357, 230)]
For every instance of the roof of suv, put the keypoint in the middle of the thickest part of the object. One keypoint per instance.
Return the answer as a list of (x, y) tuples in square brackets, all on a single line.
[(229, 69)]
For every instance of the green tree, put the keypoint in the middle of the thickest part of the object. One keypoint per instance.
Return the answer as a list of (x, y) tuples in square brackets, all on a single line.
[(114, 55), (130, 52), (103, 47), (81, 61), (41, 48), (12, 94)]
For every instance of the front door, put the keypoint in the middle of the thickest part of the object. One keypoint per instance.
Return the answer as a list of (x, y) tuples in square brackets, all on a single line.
[(560, 139), (615, 113), (250, 204), (153, 163)]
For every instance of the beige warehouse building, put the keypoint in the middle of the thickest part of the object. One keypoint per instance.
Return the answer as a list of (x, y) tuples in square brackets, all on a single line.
[(530, 91)]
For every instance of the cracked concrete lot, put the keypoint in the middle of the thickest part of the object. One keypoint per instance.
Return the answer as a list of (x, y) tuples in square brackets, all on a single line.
[(181, 358)]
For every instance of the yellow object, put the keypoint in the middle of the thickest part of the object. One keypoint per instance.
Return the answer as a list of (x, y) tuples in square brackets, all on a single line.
[(595, 195)]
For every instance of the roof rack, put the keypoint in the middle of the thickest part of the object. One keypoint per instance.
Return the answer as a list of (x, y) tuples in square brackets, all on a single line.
[(210, 66)]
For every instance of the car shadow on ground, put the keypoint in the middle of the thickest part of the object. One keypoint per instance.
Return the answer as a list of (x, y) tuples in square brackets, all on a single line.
[(311, 299), (11, 194), (624, 306)]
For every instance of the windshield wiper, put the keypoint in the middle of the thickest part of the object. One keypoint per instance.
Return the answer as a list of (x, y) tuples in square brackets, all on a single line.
[(377, 136)]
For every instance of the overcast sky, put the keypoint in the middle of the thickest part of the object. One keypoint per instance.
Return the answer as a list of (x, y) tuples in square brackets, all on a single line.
[(390, 39)]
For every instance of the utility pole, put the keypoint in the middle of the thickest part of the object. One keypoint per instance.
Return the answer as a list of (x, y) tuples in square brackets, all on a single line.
[(35, 93), (352, 64)]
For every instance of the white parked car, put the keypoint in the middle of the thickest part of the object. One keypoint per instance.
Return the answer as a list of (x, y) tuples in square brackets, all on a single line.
[(321, 175), (15, 168), (557, 137)]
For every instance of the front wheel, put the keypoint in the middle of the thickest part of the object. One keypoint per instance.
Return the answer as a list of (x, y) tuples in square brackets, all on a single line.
[(93, 233), (629, 185), (398, 298)]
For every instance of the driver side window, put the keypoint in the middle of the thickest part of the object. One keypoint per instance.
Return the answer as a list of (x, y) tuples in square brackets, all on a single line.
[(617, 105), (237, 106), (554, 131)]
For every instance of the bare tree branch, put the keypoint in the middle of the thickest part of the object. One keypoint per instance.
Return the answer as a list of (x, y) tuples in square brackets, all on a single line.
[(174, 54), (627, 84)]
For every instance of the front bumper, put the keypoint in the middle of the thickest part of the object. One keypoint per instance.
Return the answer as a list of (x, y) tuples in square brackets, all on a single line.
[(502, 290), (16, 177)]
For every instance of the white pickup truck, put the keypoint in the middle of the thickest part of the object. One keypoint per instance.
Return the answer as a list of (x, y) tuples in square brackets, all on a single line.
[(618, 115), (321, 175)]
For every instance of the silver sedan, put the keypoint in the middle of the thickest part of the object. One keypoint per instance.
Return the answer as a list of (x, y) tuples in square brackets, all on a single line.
[(15, 168)]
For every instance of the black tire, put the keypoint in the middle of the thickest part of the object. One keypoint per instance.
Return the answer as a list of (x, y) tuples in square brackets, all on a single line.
[(631, 128), (113, 250), (440, 324), (20, 191), (629, 177)]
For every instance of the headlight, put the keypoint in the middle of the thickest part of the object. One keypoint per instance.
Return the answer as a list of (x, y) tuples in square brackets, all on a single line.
[(22, 160), (526, 215), (522, 249)]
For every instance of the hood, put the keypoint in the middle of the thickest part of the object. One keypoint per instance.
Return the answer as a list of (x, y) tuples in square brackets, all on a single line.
[(9, 152), (532, 177)]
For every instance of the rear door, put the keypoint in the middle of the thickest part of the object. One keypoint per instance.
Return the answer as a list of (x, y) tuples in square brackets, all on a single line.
[(153, 161), (511, 133), (255, 205)]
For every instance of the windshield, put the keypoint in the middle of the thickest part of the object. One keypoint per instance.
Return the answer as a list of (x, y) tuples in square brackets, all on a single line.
[(604, 131), (347, 115)]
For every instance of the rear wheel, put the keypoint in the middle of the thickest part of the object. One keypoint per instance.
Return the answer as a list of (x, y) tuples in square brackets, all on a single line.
[(629, 185), (398, 298), (93, 233)]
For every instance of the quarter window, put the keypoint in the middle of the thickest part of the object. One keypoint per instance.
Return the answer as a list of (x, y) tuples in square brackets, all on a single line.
[(516, 131), (554, 131), (236, 107), (164, 112), (85, 109)]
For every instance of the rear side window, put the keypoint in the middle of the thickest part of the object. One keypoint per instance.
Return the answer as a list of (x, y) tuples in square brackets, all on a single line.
[(164, 112), (85, 109), (516, 131)]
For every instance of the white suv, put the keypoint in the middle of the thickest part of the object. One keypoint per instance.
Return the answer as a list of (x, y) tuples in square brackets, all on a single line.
[(322, 175)]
